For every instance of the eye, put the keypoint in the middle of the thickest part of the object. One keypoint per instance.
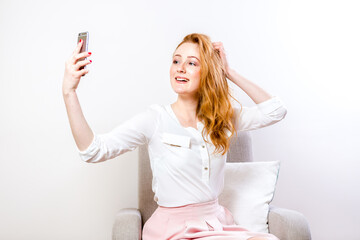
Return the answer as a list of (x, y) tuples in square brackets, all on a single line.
[(174, 61), (193, 63)]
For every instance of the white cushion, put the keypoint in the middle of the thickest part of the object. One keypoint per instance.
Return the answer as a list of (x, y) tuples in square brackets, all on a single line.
[(248, 189)]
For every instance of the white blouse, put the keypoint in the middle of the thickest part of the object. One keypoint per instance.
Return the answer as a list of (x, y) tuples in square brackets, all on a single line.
[(185, 169)]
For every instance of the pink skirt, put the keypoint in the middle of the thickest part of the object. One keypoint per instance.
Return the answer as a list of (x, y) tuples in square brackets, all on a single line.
[(205, 221)]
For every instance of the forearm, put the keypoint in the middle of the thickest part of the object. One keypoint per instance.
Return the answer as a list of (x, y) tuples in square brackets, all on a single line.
[(256, 93), (80, 129)]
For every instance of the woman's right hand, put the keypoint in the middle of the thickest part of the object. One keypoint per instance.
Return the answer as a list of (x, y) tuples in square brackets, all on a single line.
[(73, 73)]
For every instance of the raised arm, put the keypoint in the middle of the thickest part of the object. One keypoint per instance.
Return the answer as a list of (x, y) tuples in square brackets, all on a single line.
[(80, 129), (256, 93), (268, 109)]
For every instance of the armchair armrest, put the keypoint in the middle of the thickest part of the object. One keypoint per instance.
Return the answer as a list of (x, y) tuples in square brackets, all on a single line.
[(127, 225), (288, 224)]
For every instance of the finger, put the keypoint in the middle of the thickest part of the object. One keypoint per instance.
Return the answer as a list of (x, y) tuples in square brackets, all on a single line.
[(218, 47), (215, 46), (78, 47), (82, 55), (78, 56), (80, 64), (83, 72)]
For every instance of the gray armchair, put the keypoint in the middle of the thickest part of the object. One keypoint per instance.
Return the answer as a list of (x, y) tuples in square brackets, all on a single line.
[(283, 223)]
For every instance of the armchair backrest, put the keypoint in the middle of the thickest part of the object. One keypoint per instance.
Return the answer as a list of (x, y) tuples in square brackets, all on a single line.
[(240, 151)]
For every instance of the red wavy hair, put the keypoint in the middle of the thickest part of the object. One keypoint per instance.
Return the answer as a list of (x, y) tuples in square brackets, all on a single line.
[(214, 107)]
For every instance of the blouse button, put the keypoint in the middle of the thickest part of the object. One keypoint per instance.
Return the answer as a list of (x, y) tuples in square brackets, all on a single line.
[(203, 146), (205, 168)]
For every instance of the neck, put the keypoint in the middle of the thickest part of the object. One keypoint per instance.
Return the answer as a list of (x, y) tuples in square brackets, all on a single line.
[(186, 106)]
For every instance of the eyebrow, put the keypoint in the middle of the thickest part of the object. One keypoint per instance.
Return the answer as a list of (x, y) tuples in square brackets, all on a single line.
[(188, 56)]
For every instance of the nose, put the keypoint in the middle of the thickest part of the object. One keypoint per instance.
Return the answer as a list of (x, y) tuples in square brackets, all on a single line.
[(181, 68)]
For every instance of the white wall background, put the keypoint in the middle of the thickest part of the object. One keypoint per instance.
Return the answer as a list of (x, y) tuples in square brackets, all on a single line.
[(307, 52)]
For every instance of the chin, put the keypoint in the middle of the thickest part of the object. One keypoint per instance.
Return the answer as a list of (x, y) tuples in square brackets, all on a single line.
[(184, 93), (182, 90)]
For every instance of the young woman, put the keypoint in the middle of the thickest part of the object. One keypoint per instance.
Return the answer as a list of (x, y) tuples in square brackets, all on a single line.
[(187, 140)]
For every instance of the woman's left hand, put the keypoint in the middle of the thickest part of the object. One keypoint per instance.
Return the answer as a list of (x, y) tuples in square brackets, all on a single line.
[(218, 46)]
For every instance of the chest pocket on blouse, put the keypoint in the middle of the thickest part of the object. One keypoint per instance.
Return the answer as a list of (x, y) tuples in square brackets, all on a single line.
[(176, 140)]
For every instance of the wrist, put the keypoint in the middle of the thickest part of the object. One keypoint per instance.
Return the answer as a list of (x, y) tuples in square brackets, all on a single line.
[(67, 92), (230, 73)]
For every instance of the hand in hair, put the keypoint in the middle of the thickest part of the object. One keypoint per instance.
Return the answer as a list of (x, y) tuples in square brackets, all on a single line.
[(219, 47)]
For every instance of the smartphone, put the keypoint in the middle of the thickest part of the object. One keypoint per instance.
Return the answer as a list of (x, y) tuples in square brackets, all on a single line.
[(85, 37)]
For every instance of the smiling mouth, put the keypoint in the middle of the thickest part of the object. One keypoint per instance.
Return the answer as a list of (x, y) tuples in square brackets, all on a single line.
[(181, 80)]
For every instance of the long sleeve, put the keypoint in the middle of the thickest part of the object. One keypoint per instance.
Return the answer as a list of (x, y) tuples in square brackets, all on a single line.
[(136, 131), (263, 114)]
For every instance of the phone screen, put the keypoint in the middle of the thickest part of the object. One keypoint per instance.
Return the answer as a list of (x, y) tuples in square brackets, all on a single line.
[(85, 37)]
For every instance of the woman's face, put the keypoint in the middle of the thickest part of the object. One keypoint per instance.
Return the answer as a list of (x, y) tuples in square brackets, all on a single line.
[(186, 65)]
